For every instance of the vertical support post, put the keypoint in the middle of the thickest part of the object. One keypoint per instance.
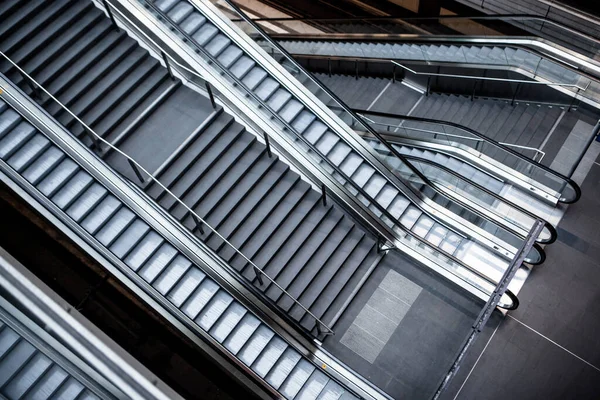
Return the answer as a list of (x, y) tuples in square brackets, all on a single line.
[(110, 15), (93, 138), (258, 275), (512, 102), (136, 170), (167, 64), (474, 90), (323, 194), (428, 86), (210, 95), (356, 69), (394, 74), (329, 66), (319, 331), (34, 89), (198, 224), (573, 100), (269, 153)]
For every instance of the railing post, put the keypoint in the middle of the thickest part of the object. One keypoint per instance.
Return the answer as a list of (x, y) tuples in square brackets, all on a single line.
[(34, 89), (323, 194), (356, 69), (329, 66), (167, 64), (512, 102), (136, 170), (319, 331), (93, 138), (474, 89), (428, 90), (573, 100), (268, 144), (394, 74), (198, 224), (210, 95), (258, 274), (110, 15)]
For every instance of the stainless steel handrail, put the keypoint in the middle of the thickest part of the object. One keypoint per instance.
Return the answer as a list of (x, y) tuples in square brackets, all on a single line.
[(138, 169), (336, 168), (534, 149), (486, 78)]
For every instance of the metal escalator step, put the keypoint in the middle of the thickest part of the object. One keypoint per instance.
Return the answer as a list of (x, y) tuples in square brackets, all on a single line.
[(129, 238), (180, 11), (115, 226), (200, 297), (100, 214), (53, 181), (283, 368), (29, 152), (241, 333), (27, 377), (144, 250), (290, 110), (314, 131), (206, 32), (185, 287), (48, 384), (229, 320), (18, 136), (69, 390), (331, 391), (214, 310), (297, 378), (269, 356), (217, 45), (230, 56), (14, 360), (255, 77), (172, 274), (72, 189), (151, 268), (313, 386), (279, 99)]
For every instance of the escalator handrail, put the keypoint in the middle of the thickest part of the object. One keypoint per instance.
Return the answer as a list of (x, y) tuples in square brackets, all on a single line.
[(534, 149), (547, 225), (489, 78), (349, 111), (562, 177)]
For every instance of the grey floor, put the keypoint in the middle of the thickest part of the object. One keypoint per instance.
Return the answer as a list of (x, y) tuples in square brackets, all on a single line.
[(549, 348), (404, 328)]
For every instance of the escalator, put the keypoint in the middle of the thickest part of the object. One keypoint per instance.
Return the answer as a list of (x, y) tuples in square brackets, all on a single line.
[(517, 59), (87, 204), (495, 166), (346, 162), (264, 210)]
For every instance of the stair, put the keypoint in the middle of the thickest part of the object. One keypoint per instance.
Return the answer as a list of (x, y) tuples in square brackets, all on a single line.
[(155, 261), (206, 159)]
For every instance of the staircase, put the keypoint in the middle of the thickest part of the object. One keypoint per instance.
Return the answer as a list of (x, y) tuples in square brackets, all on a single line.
[(154, 260), (316, 253)]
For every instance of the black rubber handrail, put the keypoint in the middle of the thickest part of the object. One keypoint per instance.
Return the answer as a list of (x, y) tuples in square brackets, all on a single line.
[(547, 225), (317, 151), (563, 178)]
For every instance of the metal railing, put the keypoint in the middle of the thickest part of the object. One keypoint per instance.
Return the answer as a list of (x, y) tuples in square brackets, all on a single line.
[(537, 151), (99, 142), (536, 174), (286, 127)]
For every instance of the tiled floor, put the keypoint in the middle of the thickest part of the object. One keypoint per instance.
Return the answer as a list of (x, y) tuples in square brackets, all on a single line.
[(549, 348)]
